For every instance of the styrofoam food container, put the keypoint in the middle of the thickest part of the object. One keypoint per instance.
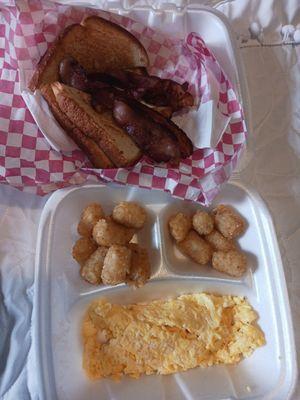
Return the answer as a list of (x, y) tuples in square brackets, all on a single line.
[(62, 297)]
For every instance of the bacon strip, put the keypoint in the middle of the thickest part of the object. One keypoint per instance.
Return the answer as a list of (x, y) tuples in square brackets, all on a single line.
[(119, 91), (151, 89), (106, 97)]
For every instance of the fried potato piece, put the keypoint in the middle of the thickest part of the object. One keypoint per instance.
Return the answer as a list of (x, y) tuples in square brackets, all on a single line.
[(228, 222), (232, 262), (89, 217), (203, 223), (83, 249), (196, 248), (140, 269), (129, 214), (92, 268), (107, 232), (179, 225), (116, 265), (219, 242)]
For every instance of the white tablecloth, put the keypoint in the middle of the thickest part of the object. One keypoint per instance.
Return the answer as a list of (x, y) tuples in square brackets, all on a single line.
[(271, 165)]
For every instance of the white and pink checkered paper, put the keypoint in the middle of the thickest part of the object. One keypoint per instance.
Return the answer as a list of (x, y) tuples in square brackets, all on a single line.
[(29, 163)]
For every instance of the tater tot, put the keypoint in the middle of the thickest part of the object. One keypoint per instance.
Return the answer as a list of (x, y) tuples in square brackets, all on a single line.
[(116, 265), (89, 217), (196, 248), (232, 262), (180, 224), (129, 214), (106, 232), (228, 222), (92, 268), (219, 242), (140, 266), (203, 223), (83, 249)]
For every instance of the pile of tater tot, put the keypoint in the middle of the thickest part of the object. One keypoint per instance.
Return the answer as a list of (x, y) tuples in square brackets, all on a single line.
[(209, 238), (105, 251)]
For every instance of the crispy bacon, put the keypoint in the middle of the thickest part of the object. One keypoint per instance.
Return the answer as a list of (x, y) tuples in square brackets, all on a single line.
[(122, 93), (73, 74), (185, 144), (161, 92), (151, 89), (106, 97)]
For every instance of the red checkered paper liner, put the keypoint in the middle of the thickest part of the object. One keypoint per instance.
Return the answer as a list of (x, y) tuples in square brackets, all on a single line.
[(27, 160)]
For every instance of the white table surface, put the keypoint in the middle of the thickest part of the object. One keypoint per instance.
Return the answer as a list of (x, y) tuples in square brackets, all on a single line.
[(271, 165)]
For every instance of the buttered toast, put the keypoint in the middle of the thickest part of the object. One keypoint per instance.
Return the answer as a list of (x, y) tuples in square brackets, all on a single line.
[(99, 126), (90, 147), (95, 81), (97, 44)]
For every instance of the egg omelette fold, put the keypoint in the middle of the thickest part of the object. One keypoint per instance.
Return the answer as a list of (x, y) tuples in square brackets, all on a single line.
[(167, 336)]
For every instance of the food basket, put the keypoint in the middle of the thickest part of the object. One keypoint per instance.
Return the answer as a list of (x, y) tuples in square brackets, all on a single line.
[(205, 56)]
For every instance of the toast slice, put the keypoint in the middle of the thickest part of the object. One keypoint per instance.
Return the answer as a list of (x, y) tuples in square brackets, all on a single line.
[(93, 151), (97, 44), (99, 126)]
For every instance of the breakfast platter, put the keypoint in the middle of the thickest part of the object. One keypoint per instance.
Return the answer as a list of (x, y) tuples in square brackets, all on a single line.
[(62, 298), (175, 292)]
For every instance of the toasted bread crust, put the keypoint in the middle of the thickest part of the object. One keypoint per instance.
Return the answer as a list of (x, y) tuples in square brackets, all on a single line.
[(98, 45), (93, 20), (55, 50), (93, 151), (42, 64), (83, 42), (100, 127)]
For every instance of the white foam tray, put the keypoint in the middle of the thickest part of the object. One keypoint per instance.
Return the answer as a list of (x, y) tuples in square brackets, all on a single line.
[(61, 298)]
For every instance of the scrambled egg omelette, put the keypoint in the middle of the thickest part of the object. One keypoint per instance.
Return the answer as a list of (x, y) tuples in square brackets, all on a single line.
[(167, 336)]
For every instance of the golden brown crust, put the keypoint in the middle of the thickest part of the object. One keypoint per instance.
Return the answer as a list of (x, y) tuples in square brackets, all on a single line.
[(196, 248), (179, 226), (63, 120), (140, 269), (90, 215), (98, 126), (228, 221), (98, 45), (129, 214), (84, 42), (83, 249), (42, 64), (232, 262), (92, 150), (144, 60), (55, 50)]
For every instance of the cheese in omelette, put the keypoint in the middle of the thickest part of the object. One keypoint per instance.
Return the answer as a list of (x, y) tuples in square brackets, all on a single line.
[(167, 336)]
